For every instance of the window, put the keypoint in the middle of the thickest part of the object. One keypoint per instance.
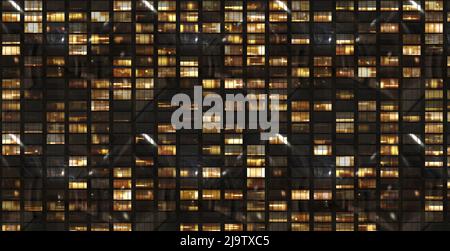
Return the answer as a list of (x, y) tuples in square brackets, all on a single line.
[(345, 5), (189, 195), (323, 106), (255, 172), (167, 150), (77, 185), (122, 172), (389, 83), (33, 5), (78, 50), (434, 27), (344, 50), (122, 5), (77, 16), (99, 16), (233, 17), (367, 72), (434, 5), (78, 161), (323, 195), (55, 17), (10, 50), (33, 27), (300, 72), (411, 50), (389, 28), (122, 195), (211, 194), (211, 27), (10, 17), (389, 6), (323, 17), (367, 5), (300, 117), (411, 72), (345, 161), (300, 194), (300, 17), (211, 172), (322, 150)]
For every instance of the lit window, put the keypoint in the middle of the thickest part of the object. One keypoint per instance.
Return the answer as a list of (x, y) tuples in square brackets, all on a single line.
[(389, 150), (77, 16), (211, 194), (256, 28), (344, 127), (77, 50), (434, 5), (211, 28), (323, 17), (323, 195), (10, 50), (389, 139), (33, 27), (345, 6), (211, 172), (233, 16), (122, 172), (78, 161), (10, 17), (122, 227), (300, 16), (189, 72), (389, 28), (33, 5), (344, 50), (411, 6), (411, 72), (188, 194), (322, 150), (167, 5), (345, 161), (389, 6), (277, 206), (390, 60), (10, 150), (411, 50), (122, 195), (389, 83), (255, 172), (234, 83), (211, 83), (434, 206), (300, 194), (256, 50), (55, 16), (367, 5), (122, 5), (434, 28), (323, 106), (10, 205), (99, 16), (367, 72), (122, 206), (300, 116), (300, 72), (166, 150), (78, 185)]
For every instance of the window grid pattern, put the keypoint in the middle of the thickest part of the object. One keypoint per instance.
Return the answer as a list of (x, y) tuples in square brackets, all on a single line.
[(87, 143)]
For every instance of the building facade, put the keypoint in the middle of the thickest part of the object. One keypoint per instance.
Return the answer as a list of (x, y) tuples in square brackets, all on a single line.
[(87, 141)]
